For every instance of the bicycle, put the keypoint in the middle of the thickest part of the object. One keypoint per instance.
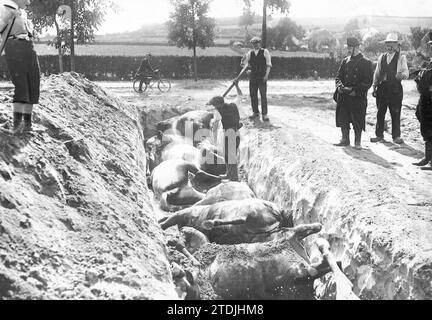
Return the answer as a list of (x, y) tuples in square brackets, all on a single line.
[(163, 84)]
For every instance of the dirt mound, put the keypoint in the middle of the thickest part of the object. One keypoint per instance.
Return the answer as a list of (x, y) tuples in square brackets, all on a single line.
[(75, 215)]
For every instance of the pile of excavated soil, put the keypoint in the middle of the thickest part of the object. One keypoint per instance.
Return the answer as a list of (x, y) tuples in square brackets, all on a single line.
[(76, 221)]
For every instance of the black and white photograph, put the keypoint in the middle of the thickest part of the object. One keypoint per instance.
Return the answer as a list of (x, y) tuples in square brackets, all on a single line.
[(228, 152)]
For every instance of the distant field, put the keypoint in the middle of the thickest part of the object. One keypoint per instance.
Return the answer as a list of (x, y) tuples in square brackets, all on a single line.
[(141, 50), (134, 50)]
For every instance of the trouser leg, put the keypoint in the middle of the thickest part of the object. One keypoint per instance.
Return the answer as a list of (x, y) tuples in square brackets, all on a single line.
[(395, 112), (358, 135), (428, 155), (231, 147), (253, 91), (382, 106), (263, 93), (345, 140)]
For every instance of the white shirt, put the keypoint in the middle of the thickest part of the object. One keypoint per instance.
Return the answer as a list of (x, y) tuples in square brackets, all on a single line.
[(266, 56), (390, 57), (402, 67)]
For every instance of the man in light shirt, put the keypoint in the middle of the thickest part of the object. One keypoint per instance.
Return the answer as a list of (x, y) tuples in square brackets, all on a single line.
[(259, 60), (391, 69)]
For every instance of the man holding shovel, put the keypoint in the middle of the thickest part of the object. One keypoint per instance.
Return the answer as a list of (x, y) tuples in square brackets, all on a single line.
[(259, 60), (22, 61)]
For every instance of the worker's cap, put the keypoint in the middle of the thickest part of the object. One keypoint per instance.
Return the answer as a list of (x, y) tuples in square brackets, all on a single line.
[(352, 42), (216, 101), (255, 40)]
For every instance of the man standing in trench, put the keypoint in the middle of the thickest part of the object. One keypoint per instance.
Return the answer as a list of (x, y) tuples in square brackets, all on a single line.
[(21, 60), (230, 118), (391, 69), (260, 63), (353, 81)]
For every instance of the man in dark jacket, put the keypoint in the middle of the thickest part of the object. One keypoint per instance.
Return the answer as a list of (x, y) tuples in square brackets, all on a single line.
[(145, 71), (230, 119), (353, 80), (424, 110)]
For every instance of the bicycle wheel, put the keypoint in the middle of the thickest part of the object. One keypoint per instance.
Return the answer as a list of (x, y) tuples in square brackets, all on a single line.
[(164, 85), (136, 86)]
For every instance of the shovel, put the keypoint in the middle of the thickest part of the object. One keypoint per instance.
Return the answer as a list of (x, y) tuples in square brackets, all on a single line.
[(343, 284), (235, 83)]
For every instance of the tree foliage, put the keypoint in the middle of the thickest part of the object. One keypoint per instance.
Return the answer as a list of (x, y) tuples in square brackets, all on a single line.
[(189, 26), (87, 16), (417, 34), (282, 34), (282, 6), (247, 19), (352, 25)]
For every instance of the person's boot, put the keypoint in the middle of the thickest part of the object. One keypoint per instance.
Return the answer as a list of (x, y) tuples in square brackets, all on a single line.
[(398, 140), (377, 139), (27, 122), (254, 116), (17, 121), (345, 141), (428, 155), (357, 142)]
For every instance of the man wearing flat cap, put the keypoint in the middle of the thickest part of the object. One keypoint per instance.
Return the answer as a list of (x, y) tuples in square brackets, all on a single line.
[(353, 80), (391, 69), (229, 116), (259, 60), (424, 109)]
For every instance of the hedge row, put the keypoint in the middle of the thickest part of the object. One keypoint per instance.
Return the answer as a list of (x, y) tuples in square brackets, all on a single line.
[(177, 67)]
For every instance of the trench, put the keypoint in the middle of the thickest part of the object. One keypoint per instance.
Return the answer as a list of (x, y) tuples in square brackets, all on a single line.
[(277, 174), (250, 171)]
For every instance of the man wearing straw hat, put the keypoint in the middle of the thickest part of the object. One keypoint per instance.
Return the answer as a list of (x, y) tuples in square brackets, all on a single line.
[(391, 69)]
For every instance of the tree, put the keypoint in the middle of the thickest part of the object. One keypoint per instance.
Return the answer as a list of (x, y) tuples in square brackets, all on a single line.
[(86, 17), (417, 34), (282, 6), (246, 20), (190, 27), (282, 34), (352, 25), (375, 44)]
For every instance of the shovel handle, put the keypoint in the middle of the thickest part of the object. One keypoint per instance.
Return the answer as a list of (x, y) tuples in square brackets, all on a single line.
[(235, 82)]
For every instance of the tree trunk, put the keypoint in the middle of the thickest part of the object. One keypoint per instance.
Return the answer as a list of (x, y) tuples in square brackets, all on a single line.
[(264, 25), (60, 53), (72, 35), (195, 63)]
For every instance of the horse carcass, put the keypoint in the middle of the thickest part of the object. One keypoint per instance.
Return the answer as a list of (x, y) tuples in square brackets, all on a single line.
[(271, 270), (171, 185), (233, 222)]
